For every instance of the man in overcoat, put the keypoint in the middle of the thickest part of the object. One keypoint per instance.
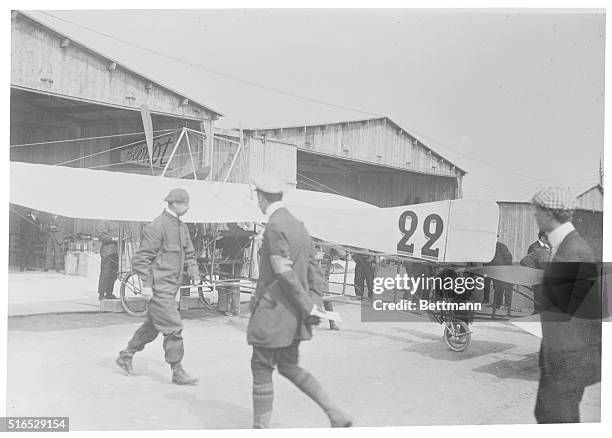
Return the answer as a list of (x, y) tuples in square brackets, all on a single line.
[(108, 233), (54, 251), (30, 233), (570, 353), (538, 254), (164, 249), (283, 306)]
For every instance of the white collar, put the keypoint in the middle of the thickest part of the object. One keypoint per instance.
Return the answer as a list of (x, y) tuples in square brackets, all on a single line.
[(556, 236), (171, 213), (273, 207)]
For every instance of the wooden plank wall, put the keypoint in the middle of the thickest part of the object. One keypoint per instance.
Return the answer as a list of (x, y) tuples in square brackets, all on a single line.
[(518, 228), (591, 200), (274, 156), (39, 62), (376, 141)]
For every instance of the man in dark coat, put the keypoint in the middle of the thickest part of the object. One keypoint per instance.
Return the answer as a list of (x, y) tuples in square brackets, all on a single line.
[(232, 244), (30, 235), (503, 290), (164, 250), (283, 306), (365, 268), (108, 233), (570, 354), (29, 232), (538, 254), (326, 265), (54, 231)]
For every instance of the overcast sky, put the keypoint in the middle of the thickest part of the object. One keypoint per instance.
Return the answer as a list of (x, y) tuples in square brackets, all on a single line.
[(501, 93)]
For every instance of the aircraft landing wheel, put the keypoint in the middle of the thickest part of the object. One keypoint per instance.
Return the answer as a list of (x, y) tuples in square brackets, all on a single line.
[(457, 335)]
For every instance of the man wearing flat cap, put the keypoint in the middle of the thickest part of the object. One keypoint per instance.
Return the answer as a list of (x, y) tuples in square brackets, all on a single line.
[(164, 250), (570, 353), (282, 307)]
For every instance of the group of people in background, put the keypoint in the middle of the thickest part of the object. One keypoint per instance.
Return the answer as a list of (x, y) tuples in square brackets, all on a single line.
[(36, 228)]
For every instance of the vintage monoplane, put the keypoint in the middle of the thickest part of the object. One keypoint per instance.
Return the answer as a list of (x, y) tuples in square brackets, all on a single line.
[(446, 233)]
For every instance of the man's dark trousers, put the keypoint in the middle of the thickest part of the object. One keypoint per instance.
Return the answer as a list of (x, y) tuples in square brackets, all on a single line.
[(54, 251), (363, 274), (109, 265), (557, 401), (163, 317), (503, 293), (28, 250)]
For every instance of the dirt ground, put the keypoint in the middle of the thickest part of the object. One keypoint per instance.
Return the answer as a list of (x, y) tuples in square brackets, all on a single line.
[(383, 373)]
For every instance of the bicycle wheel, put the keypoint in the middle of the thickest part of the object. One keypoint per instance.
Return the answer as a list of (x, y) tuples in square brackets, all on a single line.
[(207, 294), (132, 300), (457, 335)]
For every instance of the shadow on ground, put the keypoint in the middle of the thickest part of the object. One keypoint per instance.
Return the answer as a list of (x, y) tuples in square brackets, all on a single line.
[(439, 351), (214, 414), (523, 369), (71, 321)]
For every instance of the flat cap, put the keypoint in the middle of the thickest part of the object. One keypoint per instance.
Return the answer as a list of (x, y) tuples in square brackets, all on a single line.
[(555, 198), (268, 183), (179, 195)]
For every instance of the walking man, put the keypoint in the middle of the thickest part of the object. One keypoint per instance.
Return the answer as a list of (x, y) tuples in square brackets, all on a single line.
[(164, 249), (570, 353), (282, 307)]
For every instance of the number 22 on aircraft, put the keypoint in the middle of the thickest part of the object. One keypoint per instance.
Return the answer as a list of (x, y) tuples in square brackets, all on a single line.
[(424, 237)]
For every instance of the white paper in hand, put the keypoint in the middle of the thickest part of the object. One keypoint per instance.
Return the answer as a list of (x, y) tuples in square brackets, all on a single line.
[(324, 314)]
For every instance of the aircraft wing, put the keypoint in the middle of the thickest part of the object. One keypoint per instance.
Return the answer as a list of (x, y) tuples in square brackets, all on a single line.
[(520, 275), (452, 231), (98, 194)]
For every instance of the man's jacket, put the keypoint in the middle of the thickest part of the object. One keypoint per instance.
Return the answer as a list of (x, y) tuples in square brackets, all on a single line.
[(30, 230), (108, 233), (164, 249), (571, 315), (502, 256), (282, 302), (55, 226)]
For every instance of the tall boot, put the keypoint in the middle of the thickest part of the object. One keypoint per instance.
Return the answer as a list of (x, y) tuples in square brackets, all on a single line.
[(263, 399), (313, 389), (180, 377)]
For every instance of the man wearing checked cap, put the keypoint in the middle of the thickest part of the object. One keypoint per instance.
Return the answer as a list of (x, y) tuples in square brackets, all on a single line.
[(282, 308), (165, 248), (570, 352)]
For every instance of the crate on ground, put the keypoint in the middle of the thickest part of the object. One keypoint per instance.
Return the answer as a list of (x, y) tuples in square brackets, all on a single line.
[(88, 264), (71, 263)]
